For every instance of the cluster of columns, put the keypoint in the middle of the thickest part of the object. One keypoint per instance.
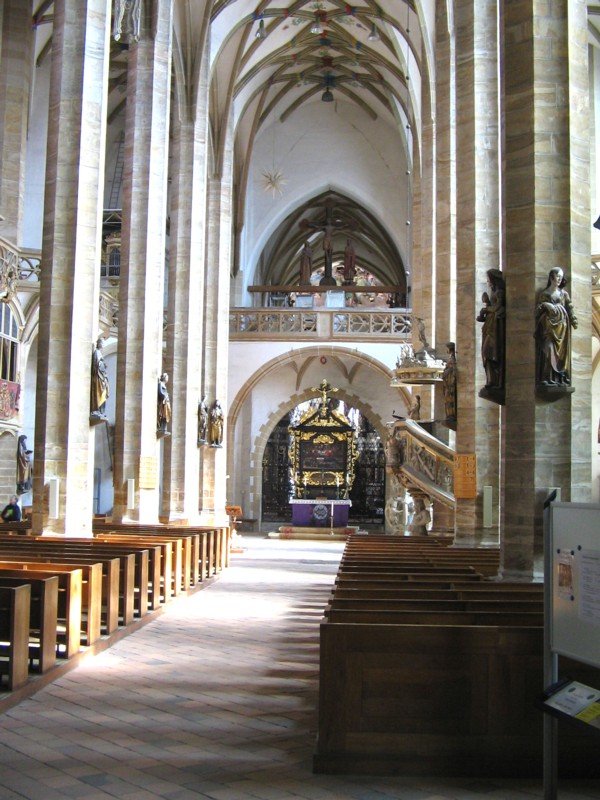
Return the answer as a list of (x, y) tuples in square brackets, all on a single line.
[(515, 197), (166, 323)]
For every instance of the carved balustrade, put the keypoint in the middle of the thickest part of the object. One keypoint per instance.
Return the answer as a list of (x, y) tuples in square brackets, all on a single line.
[(420, 462), (343, 325)]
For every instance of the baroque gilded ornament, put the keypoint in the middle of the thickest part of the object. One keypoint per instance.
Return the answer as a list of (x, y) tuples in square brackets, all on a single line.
[(323, 450)]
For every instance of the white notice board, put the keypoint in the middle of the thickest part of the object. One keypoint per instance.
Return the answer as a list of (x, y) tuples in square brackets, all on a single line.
[(574, 541)]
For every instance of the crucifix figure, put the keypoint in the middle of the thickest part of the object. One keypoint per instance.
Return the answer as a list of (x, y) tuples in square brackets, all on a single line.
[(324, 388), (329, 227)]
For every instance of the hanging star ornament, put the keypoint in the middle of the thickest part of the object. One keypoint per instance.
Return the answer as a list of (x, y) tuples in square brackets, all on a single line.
[(273, 182)]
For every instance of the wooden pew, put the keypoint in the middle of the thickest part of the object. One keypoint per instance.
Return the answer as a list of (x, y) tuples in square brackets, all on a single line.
[(70, 589), (91, 569), (440, 618), (161, 570), (429, 663), (43, 616), (14, 633), (450, 603)]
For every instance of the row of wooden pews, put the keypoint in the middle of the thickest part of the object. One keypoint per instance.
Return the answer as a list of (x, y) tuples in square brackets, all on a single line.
[(59, 594), (427, 666)]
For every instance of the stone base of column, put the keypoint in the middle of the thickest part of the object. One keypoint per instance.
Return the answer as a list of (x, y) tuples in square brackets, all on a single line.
[(210, 516)]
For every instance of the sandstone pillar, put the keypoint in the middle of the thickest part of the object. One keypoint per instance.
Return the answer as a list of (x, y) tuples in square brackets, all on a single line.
[(16, 47), (213, 469), (69, 287), (547, 225), (477, 242), (444, 275), (184, 318), (141, 300), (445, 186)]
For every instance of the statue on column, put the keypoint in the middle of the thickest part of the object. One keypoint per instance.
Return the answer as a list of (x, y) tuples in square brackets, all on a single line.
[(99, 386), (415, 408), (127, 19), (493, 336), (163, 407), (202, 421), (420, 518), (349, 263), (554, 318), (216, 425), (449, 387), (305, 264), (23, 466)]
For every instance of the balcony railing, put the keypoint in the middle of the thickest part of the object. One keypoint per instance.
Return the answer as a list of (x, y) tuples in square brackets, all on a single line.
[(343, 324)]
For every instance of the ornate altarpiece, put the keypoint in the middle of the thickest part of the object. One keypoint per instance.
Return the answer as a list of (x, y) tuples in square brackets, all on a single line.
[(323, 451)]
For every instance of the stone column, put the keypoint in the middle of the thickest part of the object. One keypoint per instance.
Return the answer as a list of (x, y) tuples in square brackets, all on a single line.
[(184, 336), (445, 192), (445, 186), (424, 214), (213, 469), (477, 242), (547, 225), (141, 299), (16, 49), (69, 287)]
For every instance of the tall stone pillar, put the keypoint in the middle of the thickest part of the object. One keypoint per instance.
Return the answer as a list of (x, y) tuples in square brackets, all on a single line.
[(547, 225), (426, 265), (184, 336), (478, 242), (141, 299), (213, 469), (444, 276), (69, 288), (16, 51), (445, 185)]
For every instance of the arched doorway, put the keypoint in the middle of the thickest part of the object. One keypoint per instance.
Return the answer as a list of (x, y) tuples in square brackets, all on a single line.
[(368, 491)]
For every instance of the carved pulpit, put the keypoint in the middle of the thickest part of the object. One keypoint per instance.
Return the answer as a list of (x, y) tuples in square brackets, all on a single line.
[(323, 452)]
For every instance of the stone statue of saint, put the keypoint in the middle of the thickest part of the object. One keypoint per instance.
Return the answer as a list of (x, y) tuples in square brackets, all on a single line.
[(449, 386), (23, 466), (349, 263), (127, 21), (216, 425), (554, 318), (415, 409), (305, 264), (420, 518), (163, 405), (99, 386), (202, 421), (493, 335)]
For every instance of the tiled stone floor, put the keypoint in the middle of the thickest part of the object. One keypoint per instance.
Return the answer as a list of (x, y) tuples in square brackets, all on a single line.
[(214, 699)]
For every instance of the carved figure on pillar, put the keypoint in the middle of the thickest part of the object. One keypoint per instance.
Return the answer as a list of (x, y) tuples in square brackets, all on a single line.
[(305, 264), (202, 421), (216, 425), (99, 386), (449, 386), (420, 518), (127, 20), (163, 407), (349, 263), (493, 336), (554, 318), (415, 408), (23, 466)]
